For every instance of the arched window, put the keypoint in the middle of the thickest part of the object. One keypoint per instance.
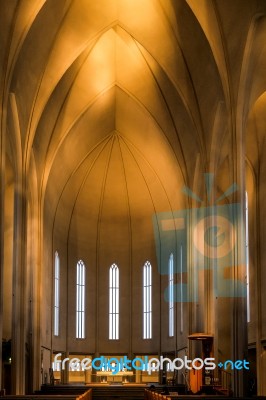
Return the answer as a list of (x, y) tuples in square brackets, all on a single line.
[(171, 294), (147, 300), (114, 302), (247, 258), (80, 303), (56, 293)]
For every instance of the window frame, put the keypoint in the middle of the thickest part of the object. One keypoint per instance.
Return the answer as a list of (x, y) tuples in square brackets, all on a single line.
[(80, 299), (113, 302), (147, 300), (56, 294), (171, 308)]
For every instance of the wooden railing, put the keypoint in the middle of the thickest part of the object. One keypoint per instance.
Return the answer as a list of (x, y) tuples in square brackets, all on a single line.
[(152, 395), (222, 381), (99, 391), (84, 396)]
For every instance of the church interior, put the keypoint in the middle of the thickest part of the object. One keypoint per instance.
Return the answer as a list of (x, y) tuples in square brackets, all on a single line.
[(133, 178)]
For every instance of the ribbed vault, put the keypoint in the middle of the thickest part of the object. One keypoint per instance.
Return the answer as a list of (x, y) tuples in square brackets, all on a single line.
[(108, 108)]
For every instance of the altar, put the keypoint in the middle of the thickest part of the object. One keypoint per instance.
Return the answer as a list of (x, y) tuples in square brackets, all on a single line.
[(109, 376)]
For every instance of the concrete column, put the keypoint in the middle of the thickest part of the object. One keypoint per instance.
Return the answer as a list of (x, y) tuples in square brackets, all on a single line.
[(19, 290), (35, 277), (239, 312), (2, 219)]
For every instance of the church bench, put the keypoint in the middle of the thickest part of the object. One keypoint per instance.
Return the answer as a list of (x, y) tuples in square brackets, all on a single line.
[(87, 395)]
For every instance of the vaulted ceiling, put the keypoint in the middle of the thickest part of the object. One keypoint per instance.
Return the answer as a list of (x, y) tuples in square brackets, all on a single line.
[(118, 102)]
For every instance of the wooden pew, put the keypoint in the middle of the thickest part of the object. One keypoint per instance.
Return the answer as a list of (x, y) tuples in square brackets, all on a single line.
[(87, 395)]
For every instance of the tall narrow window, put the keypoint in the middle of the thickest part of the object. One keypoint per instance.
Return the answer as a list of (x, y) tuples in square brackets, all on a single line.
[(181, 291), (56, 293), (114, 302), (147, 301), (80, 304), (247, 258), (171, 294)]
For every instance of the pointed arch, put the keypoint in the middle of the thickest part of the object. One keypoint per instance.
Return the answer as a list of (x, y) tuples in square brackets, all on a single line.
[(114, 302), (56, 293), (80, 300), (171, 294), (147, 300)]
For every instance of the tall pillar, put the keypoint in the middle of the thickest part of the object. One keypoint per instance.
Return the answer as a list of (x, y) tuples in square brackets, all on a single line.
[(35, 279), (2, 219), (19, 290), (239, 343)]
